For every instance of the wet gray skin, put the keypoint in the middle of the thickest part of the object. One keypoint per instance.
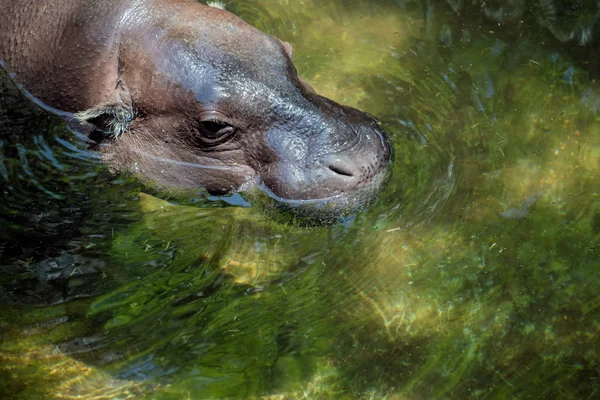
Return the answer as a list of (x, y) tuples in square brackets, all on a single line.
[(187, 95)]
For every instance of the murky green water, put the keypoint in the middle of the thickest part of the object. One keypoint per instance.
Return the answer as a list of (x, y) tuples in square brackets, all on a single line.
[(475, 276)]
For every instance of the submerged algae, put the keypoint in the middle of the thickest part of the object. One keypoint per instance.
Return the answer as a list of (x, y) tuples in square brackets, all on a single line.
[(429, 294)]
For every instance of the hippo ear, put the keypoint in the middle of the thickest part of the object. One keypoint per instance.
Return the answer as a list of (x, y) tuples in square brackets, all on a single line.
[(306, 86), (288, 49), (109, 119), (112, 118)]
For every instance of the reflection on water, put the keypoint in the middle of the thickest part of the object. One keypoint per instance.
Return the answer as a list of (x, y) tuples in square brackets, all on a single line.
[(474, 276)]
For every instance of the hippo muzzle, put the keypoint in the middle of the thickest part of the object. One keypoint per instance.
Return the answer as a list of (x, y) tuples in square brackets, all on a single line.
[(337, 158)]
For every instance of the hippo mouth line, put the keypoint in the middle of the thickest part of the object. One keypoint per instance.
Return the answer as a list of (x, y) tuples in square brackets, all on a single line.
[(365, 192)]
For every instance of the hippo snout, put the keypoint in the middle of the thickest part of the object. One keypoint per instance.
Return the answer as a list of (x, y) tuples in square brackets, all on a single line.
[(346, 170), (357, 166)]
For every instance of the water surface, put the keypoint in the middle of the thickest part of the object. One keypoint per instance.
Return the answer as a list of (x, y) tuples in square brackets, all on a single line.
[(474, 276)]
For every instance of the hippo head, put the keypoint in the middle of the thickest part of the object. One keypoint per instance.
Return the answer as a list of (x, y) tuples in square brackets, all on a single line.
[(205, 100)]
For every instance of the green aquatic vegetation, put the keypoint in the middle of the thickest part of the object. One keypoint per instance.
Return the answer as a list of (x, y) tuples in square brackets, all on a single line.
[(31, 367), (473, 277), (188, 308)]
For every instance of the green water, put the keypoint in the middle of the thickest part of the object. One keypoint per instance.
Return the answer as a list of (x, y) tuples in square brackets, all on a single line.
[(475, 276)]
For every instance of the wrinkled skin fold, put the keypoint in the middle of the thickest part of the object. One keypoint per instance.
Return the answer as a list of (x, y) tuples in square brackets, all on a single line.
[(186, 95)]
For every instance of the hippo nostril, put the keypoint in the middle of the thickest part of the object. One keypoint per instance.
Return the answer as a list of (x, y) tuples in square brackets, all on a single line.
[(341, 170)]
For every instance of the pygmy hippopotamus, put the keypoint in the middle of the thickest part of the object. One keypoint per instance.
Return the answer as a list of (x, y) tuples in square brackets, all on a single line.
[(187, 95)]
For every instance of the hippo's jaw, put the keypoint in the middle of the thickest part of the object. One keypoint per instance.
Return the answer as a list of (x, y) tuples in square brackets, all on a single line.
[(330, 209)]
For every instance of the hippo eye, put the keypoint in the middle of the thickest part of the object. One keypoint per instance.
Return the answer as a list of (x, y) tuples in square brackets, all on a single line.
[(214, 128)]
